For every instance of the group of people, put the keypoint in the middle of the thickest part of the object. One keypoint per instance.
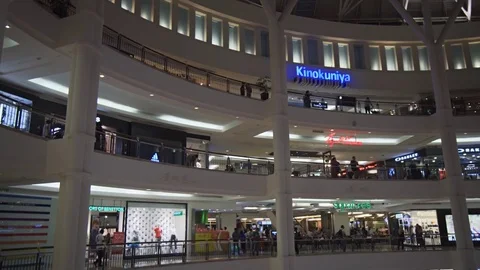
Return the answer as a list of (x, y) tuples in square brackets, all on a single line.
[(246, 89), (251, 237), (102, 246)]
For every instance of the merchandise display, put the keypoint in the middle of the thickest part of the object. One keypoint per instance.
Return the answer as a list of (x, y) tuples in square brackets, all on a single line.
[(474, 227), (153, 222)]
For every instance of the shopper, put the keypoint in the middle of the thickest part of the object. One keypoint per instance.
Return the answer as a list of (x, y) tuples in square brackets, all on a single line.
[(334, 167), (427, 172), (242, 89), (340, 236), (297, 237), (243, 242), (401, 239), (419, 235), (236, 239), (354, 167), (249, 91), (368, 106), (255, 242), (264, 95), (100, 248), (307, 102)]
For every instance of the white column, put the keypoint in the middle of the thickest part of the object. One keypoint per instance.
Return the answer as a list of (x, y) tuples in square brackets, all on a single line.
[(465, 258), (3, 22), (74, 195), (281, 146), (341, 219)]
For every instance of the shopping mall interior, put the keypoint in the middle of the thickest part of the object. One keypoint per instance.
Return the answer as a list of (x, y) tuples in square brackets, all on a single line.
[(236, 134)]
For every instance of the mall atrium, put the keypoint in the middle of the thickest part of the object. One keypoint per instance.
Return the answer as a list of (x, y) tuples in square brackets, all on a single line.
[(240, 134)]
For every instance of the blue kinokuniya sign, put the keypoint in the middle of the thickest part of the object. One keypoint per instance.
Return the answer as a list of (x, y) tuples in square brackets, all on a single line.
[(318, 77)]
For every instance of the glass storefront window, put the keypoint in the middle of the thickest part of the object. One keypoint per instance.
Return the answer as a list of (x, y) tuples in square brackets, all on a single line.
[(249, 41), (475, 54), (375, 62), (423, 58), (165, 14), (128, 5), (146, 8), (328, 59), (391, 58), (312, 51), (457, 56), (264, 44), (407, 59), (233, 43), (343, 56), (200, 26), (217, 33), (359, 56), (297, 50), (182, 26)]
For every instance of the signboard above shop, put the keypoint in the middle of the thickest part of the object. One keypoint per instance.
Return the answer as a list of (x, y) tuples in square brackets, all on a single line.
[(98, 208), (318, 77), (468, 150), (406, 157), (342, 206)]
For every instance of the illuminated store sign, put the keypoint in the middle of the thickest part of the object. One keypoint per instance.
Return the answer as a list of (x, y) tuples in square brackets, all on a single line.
[(406, 157), (344, 140), (471, 167), (155, 158), (97, 208), (305, 72), (352, 205), (469, 150), (178, 213)]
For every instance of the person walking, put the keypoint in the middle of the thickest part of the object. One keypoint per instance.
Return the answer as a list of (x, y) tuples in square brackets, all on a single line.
[(236, 239), (249, 91), (99, 240), (334, 167), (354, 167), (401, 239), (242, 90), (368, 106)]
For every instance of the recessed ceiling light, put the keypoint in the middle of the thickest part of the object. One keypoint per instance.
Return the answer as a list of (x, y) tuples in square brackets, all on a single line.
[(369, 132), (332, 130), (7, 26), (266, 152), (102, 76), (371, 157), (294, 126), (227, 150), (465, 133), (237, 117), (148, 189), (152, 95), (196, 108)]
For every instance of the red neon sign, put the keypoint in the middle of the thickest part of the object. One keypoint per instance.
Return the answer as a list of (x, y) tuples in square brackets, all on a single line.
[(343, 140)]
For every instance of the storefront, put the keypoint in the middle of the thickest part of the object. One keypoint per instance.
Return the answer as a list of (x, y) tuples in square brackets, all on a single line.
[(447, 227)]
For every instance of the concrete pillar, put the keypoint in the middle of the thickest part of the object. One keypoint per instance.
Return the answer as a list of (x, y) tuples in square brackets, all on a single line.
[(327, 223), (366, 51), (241, 37), (465, 258), (289, 48), (3, 22), (383, 58), (321, 60), (339, 219), (209, 28), (229, 221), (416, 60), (467, 55), (74, 194), (191, 22), (225, 33), (336, 55), (156, 12), (258, 41), (398, 52), (281, 148), (305, 52), (174, 17)]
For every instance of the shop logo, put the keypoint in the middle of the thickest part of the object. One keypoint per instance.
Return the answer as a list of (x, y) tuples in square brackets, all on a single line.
[(155, 158), (178, 213), (469, 150), (98, 208), (332, 139), (342, 206), (406, 157), (471, 167), (305, 72)]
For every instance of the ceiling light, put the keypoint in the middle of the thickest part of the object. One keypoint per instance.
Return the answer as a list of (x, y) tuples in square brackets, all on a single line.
[(435, 158), (250, 208), (369, 132), (7, 26), (332, 130), (227, 150), (152, 95), (117, 106), (147, 189), (50, 85), (237, 117), (269, 135), (465, 133), (294, 126), (102, 76), (460, 140), (196, 108), (191, 123)]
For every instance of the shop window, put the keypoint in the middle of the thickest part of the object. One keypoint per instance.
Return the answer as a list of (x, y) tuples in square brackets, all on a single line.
[(128, 5), (458, 59), (423, 58), (264, 44), (328, 59), (343, 55), (249, 41), (233, 37), (475, 54), (200, 26), (146, 9), (359, 54), (297, 50), (391, 58), (312, 47), (165, 14), (407, 59), (182, 24), (375, 62), (217, 33)]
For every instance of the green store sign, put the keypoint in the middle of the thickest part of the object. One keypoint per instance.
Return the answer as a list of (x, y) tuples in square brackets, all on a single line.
[(98, 208), (178, 213), (342, 206)]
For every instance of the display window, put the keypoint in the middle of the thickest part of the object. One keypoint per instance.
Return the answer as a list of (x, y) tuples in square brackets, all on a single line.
[(474, 227), (155, 222), (426, 219)]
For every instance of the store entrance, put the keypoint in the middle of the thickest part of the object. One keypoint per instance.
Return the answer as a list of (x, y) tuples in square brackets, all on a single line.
[(107, 221)]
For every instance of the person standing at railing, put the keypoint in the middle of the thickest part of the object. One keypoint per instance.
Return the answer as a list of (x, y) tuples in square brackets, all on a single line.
[(249, 91), (401, 239), (100, 248), (236, 239), (264, 95), (307, 101), (368, 106), (242, 90), (354, 167), (335, 167)]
